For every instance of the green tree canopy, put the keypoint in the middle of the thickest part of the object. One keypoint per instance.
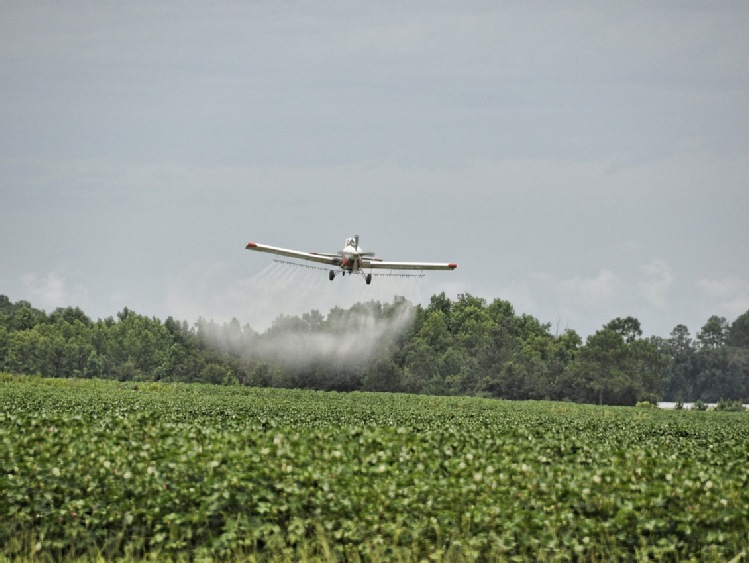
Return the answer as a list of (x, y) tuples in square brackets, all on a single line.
[(738, 333)]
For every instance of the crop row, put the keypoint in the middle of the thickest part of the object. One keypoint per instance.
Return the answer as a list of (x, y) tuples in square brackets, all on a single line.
[(115, 469)]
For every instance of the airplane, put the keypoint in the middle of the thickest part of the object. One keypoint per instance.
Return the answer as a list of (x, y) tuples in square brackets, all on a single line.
[(352, 259)]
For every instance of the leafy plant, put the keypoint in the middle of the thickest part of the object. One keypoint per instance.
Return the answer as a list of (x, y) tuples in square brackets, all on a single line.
[(100, 469)]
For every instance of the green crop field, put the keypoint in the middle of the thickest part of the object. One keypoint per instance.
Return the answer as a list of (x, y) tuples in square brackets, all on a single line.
[(95, 469)]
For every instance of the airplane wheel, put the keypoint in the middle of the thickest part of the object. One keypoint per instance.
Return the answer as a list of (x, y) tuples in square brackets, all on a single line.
[(368, 279), (331, 275)]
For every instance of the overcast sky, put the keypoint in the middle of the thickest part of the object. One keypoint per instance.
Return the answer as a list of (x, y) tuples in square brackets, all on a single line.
[(583, 160)]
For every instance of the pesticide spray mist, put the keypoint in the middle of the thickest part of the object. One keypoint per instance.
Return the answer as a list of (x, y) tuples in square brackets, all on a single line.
[(345, 337), (299, 338)]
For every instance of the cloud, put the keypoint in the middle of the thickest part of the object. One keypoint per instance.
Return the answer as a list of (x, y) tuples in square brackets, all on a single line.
[(730, 295), (51, 291), (586, 303), (590, 292), (657, 283)]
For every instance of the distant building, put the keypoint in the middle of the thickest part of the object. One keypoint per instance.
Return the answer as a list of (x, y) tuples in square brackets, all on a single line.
[(687, 406)]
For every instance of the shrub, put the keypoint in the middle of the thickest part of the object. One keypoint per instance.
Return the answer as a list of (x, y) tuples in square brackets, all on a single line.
[(730, 406), (699, 405)]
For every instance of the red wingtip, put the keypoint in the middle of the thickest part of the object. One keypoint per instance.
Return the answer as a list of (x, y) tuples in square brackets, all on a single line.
[(251, 245), (453, 266)]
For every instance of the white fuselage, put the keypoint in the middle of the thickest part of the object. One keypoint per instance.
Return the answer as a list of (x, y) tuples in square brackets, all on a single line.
[(351, 255)]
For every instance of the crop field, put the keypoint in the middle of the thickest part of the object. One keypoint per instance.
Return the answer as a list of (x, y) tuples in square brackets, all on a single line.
[(98, 469)]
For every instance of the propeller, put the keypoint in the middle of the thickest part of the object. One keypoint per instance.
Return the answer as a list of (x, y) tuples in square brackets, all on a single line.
[(356, 242)]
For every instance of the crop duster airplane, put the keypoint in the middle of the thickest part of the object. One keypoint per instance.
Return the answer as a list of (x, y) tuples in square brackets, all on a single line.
[(352, 259)]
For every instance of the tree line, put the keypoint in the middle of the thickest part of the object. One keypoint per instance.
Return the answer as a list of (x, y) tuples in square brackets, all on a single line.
[(462, 346)]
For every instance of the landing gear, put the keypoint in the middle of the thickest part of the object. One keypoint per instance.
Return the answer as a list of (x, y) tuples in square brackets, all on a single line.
[(367, 277)]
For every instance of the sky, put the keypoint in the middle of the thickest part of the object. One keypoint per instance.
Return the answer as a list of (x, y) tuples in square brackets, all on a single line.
[(581, 160)]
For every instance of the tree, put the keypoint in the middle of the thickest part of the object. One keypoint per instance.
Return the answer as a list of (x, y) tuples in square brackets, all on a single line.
[(604, 367), (26, 317), (461, 346), (435, 331), (218, 374), (419, 369), (383, 374), (722, 373), (617, 367), (440, 303), (94, 366), (70, 315), (738, 333), (564, 351), (313, 320), (680, 342), (681, 379), (628, 328), (713, 333)]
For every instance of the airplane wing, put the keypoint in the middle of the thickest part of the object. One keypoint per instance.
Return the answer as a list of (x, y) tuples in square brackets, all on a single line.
[(382, 265), (330, 259)]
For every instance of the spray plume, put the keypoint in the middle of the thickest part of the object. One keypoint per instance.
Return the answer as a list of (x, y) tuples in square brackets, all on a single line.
[(344, 339)]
